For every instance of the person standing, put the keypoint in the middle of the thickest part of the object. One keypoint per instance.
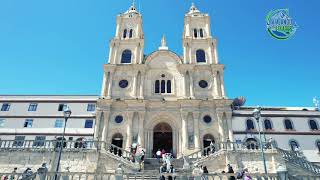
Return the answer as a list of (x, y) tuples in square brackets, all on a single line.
[(231, 171), (158, 155)]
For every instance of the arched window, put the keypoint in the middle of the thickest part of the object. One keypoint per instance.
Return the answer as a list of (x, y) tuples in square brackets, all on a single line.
[(313, 125), (267, 124), (252, 143), (250, 125), (294, 145), (195, 33), (126, 56), (288, 124), (200, 55), (157, 86), (168, 86), (130, 33), (201, 32), (124, 33), (163, 86), (318, 145)]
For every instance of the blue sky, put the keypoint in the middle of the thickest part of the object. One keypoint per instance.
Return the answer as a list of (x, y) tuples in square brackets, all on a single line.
[(59, 47)]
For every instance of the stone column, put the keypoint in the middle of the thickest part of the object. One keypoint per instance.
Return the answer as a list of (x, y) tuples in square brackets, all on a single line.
[(184, 118), (215, 91), (190, 55), (115, 54), (229, 125), (196, 116), (97, 135), (185, 83), (109, 92), (111, 53), (223, 94), (210, 55), (191, 84), (141, 86), (216, 53), (221, 126), (217, 77), (129, 129), (141, 129), (134, 84), (104, 85), (104, 134)]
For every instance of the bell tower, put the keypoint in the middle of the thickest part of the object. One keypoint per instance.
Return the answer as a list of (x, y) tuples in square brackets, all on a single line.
[(200, 50), (127, 45), (198, 44)]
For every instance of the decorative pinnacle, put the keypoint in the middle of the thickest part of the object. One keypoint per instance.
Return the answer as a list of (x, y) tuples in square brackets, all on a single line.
[(163, 41), (133, 3)]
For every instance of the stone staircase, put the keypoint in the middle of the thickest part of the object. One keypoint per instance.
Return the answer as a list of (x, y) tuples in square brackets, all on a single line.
[(294, 160), (153, 165)]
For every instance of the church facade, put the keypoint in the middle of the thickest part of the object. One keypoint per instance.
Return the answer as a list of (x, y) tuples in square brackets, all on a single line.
[(158, 101), (162, 100)]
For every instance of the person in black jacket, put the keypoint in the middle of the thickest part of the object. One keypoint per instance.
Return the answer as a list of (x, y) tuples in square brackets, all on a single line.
[(230, 170)]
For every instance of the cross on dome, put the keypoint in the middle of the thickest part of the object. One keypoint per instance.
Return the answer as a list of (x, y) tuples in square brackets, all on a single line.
[(193, 9), (132, 8)]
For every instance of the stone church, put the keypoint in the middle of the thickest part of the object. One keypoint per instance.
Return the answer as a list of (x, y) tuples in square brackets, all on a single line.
[(158, 101), (163, 100)]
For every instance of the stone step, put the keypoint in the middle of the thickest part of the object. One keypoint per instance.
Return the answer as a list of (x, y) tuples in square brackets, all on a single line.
[(154, 164)]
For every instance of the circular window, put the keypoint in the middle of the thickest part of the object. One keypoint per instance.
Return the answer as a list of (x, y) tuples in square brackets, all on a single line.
[(118, 119), (207, 119), (203, 84), (123, 83), (162, 75)]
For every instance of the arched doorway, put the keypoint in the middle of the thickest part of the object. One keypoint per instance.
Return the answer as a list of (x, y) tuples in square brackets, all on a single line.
[(207, 139), (117, 140), (252, 143), (162, 137)]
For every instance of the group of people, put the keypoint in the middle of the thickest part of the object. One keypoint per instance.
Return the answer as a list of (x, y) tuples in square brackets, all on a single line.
[(243, 174), (163, 155), (167, 168), (27, 174)]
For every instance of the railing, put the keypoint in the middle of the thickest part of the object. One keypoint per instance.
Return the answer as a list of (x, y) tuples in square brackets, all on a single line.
[(121, 176), (228, 146), (293, 158), (70, 146)]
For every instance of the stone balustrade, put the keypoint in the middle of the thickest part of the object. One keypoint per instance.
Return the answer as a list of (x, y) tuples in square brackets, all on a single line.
[(120, 176), (296, 159)]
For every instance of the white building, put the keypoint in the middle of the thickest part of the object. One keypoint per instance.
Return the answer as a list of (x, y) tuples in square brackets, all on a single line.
[(41, 117), (161, 101)]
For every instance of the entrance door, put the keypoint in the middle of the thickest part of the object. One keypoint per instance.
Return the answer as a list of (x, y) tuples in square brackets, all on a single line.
[(117, 140), (162, 138), (207, 139)]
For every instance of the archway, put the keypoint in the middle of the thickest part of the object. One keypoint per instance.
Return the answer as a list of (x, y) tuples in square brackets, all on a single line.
[(252, 143), (162, 137), (117, 140), (207, 139)]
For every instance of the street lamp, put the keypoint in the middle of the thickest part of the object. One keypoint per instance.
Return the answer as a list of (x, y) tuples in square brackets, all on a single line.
[(257, 114), (66, 113)]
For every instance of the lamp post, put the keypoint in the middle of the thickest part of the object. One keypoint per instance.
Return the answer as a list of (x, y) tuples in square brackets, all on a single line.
[(66, 114), (257, 114)]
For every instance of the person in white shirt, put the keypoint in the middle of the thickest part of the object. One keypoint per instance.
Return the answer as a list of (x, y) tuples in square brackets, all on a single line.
[(158, 155)]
